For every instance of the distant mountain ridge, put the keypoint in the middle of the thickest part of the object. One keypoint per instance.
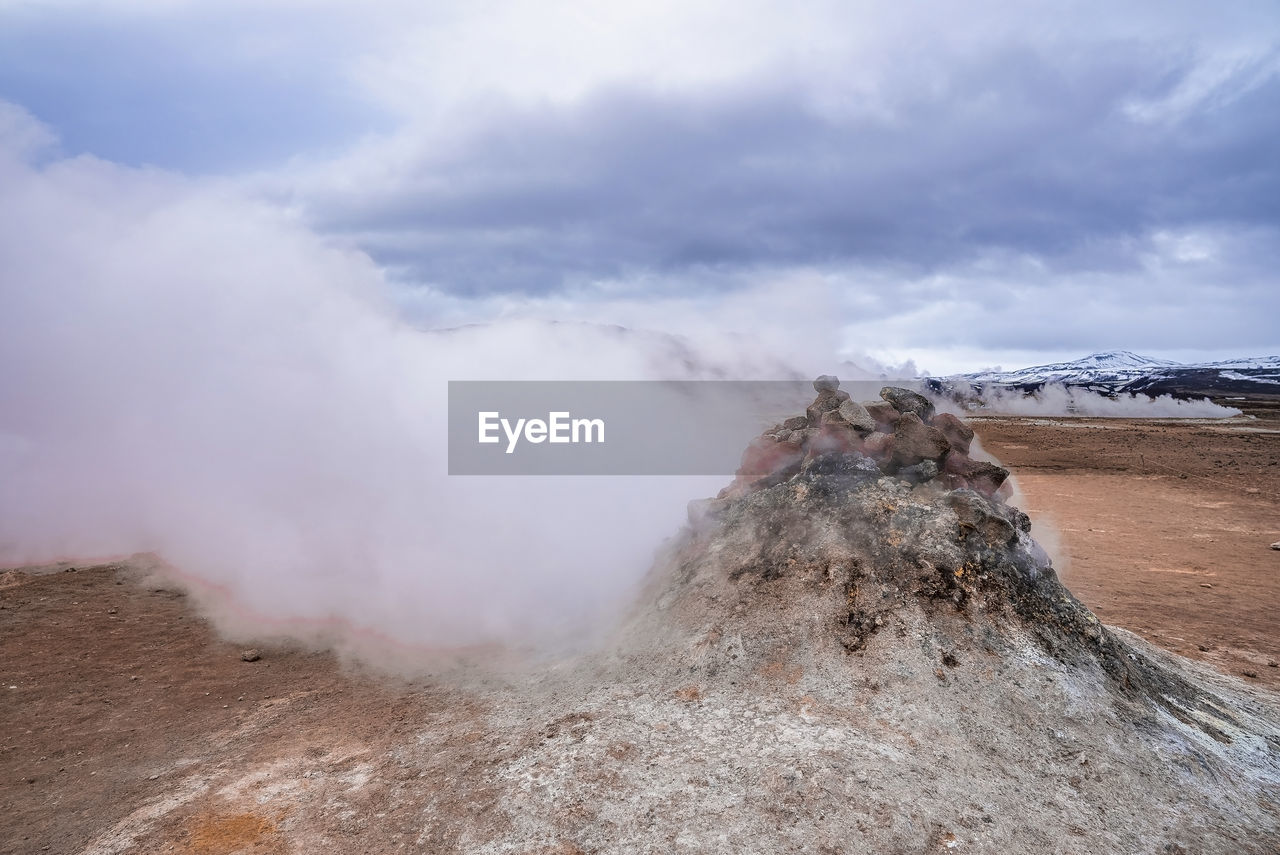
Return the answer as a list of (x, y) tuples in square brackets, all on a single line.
[(1115, 371)]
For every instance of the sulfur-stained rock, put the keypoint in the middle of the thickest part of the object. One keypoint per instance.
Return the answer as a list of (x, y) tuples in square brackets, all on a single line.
[(766, 456)]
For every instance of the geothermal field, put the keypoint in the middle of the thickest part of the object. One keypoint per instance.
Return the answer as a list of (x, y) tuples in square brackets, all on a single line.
[(871, 641), (653, 427)]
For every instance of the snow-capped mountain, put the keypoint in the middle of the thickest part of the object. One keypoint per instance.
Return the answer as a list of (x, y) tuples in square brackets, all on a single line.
[(1112, 366), (1261, 363), (1122, 371)]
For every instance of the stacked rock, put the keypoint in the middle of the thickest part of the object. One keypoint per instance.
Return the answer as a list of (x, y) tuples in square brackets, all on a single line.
[(901, 435)]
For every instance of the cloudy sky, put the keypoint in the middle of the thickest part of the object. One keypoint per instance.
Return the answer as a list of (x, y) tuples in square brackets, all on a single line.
[(963, 185)]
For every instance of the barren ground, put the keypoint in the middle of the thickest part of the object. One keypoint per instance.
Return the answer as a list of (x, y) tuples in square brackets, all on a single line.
[(115, 692), (1165, 527)]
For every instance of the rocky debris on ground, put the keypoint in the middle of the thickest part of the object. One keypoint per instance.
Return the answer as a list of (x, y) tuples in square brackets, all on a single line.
[(250, 655), (12, 578), (902, 434)]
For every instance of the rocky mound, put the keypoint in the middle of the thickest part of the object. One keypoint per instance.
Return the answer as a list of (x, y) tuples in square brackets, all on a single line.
[(860, 646), (853, 551), (884, 498)]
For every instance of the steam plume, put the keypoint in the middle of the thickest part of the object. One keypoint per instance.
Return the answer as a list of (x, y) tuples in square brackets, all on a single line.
[(190, 373), (1057, 400)]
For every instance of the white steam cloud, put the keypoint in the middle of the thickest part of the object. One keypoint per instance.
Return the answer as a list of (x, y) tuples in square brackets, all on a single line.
[(1056, 400), (188, 372), (193, 374)]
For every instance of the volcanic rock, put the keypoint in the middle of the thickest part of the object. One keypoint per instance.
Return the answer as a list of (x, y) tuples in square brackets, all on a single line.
[(827, 400), (878, 446), (959, 435), (884, 414), (906, 401), (766, 456), (850, 414), (832, 437), (919, 473), (793, 438), (826, 383), (982, 476), (914, 441)]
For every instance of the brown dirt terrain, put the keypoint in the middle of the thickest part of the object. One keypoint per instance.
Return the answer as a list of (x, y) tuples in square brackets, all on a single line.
[(1165, 526), (127, 725), (113, 688)]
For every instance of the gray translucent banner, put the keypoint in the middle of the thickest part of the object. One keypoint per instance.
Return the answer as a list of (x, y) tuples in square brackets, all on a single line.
[(636, 427)]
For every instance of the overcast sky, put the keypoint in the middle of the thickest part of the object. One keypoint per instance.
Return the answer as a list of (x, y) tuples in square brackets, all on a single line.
[(961, 184)]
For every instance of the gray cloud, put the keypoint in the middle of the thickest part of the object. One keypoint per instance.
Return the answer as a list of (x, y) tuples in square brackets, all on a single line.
[(991, 179), (1010, 151)]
